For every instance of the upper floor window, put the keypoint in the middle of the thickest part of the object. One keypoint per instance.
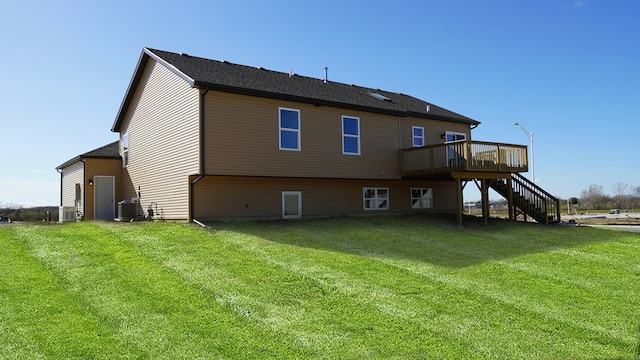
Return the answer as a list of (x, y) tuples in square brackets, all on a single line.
[(418, 135), (289, 129), (350, 135), (451, 136), (125, 150)]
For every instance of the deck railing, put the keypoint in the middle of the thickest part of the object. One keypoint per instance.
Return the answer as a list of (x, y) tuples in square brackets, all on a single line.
[(464, 155)]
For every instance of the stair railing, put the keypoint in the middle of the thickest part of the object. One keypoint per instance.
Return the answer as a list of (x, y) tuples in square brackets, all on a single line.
[(541, 205)]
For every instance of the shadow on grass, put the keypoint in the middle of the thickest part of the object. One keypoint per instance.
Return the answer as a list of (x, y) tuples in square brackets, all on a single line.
[(430, 238)]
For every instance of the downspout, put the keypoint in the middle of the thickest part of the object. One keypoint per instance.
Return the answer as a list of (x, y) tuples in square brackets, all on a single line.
[(60, 172), (202, 171), (84, 189)]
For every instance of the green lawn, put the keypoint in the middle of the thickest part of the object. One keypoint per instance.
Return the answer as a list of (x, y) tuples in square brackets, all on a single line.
[(374, 288)]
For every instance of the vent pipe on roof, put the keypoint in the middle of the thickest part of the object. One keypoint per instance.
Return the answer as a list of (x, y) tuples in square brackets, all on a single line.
[(428, 108), (326, 74)]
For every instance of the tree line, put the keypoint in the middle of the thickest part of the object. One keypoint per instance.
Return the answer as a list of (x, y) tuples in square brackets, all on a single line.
[(625, 197), (32, 214)]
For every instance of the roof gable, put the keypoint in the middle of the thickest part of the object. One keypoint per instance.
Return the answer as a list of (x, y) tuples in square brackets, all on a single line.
[(109, 151), (256, 81)]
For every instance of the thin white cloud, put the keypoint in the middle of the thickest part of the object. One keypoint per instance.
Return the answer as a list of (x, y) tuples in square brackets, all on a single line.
[(579, 4)]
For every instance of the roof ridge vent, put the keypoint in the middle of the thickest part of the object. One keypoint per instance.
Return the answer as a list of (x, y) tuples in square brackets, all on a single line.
[(184, 54)]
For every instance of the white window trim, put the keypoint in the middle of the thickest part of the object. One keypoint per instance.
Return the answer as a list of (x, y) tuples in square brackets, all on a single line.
[(421, 204), (414, 137), (289, 193), (464, 135), (125, 150), (280, 129), (357, 137), (375, 198)]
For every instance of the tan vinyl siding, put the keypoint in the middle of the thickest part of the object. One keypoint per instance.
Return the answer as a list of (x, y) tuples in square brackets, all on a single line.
[(230, 197), (433, 130), (72, 175), (242, 138), (242, 135), (163, 124), (102, 167)]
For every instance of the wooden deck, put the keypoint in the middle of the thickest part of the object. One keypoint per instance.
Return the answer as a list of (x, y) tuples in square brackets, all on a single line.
[(464, 156), (496, 165)]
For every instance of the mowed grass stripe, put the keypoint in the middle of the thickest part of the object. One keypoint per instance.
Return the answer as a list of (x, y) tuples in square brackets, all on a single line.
[(39, 318), (148, 309), (550, 303), (382, 287), (339, 318)]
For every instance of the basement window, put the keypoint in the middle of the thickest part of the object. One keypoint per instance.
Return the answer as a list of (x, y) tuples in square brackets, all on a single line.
[(421, 198), (375, 198), (291, 204)]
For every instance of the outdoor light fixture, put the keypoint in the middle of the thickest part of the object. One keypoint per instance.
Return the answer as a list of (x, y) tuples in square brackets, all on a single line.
[(90, 182), (530, 136)]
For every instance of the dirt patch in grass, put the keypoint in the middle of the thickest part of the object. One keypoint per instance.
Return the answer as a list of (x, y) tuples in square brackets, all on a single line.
[(608, 221)]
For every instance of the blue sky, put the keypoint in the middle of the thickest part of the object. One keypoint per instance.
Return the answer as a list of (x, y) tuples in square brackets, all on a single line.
[(567, 70)]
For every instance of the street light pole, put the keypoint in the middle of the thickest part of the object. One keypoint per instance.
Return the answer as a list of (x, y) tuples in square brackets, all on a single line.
[(530, 136)]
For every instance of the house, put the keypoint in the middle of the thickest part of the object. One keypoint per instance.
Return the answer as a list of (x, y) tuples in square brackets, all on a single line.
[(90, 183), (204, 139)]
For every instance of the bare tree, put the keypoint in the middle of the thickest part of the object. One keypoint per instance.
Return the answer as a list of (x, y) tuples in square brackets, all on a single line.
[(594, 197), (634, 199), (620, 194)]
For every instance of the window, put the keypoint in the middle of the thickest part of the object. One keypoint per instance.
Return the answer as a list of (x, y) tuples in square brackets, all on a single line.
[(421, 198), (455, 152), (125, 150), (289, 129), (375, 198), (455, 136), (350, 135), (78, 193), (291, 205), (418, 135)]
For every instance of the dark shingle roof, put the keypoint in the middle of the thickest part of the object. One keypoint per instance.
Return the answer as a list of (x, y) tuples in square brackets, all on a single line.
[(109, 151), (241, 79)]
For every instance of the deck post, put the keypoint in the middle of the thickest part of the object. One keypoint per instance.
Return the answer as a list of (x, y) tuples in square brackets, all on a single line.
[(459, 200), (484, 190)]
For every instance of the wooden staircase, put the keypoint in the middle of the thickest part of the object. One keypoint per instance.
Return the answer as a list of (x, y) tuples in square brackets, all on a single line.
[(528, 199)]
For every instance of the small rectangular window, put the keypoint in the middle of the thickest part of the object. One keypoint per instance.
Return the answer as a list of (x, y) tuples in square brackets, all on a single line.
[(418, 136), (78, 193), (125, 150), (291, 205), (289, 124), (421, 198), (375, 198), (350, 135)]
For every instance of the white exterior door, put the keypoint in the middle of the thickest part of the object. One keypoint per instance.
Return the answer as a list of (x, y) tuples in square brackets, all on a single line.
[(103, 196)]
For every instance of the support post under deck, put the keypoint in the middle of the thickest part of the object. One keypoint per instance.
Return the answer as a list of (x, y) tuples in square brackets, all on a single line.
[(484, 190), (459, 200)]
